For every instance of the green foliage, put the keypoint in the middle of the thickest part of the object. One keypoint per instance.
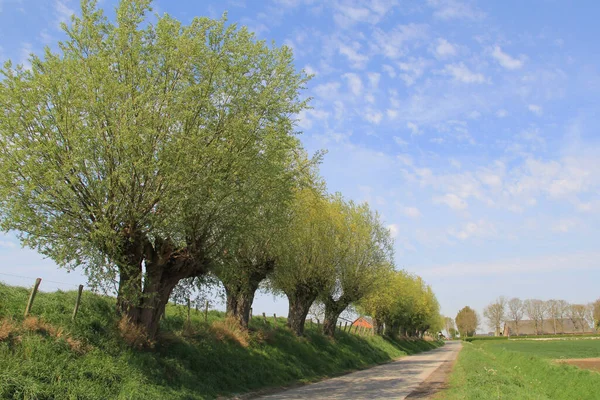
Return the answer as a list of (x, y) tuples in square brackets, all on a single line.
[(404, 301), (187, 362), (467, 321), (492, 369), (144, 144)]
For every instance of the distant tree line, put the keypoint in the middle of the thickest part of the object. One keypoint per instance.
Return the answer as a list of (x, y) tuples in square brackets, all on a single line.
[(583, 317), (160, 156)]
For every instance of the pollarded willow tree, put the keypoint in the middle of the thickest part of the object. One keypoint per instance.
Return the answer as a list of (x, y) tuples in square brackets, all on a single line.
[(250, 258), (402, 304), (308, 254), (138, 148), (365, 250)]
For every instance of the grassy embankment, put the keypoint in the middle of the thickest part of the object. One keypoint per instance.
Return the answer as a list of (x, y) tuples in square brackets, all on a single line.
[(49, 356), (523, 370)]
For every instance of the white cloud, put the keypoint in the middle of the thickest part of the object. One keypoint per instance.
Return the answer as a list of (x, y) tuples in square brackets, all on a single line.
[(518, 266), (506, 60), (391, 113), (454, 9), (370, 12), (310, 70), (394, 44), (374, 79), (414, 129), (399, 141), (373, 116), (534, 108), (62, 11), (445, 49), (461, 73), (7, 245), (306, 117), (356, 59), (565, 225), (480, 228), (410, 212), (25, 53), (328, 90), (393, 228), (354, 83), (452, 201), (501, 113), (412, 70), (389, 70)]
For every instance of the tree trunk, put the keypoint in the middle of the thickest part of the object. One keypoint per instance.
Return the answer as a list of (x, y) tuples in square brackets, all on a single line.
[(239, 302), (391, 329), (240, 289), (333, 309), (165, 268), (378, 326), (299, 305)]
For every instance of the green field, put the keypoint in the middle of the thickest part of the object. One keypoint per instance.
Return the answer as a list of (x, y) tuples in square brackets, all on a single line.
[(554, 349), (55, 358), (523, 370)]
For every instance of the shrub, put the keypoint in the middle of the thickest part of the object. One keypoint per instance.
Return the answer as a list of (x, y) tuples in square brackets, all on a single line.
[(134, 335), (229, 328)]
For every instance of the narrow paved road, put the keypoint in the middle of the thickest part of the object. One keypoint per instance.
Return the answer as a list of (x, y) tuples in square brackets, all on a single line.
[(395, 380)]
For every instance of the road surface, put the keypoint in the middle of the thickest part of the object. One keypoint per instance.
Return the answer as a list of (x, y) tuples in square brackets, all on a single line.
[(395, 380)]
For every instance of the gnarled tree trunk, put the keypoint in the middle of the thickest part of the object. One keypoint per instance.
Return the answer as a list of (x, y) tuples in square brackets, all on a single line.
[(165, 267), (240, 290), (333, 309), (300, 301), (378, 326)]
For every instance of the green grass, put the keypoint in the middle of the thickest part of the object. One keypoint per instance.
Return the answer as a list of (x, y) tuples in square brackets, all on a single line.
[(484, 338), (198, 364), (523, 370), (554, 349)]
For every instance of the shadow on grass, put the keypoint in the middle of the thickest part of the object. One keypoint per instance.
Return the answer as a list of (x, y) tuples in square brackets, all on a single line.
[(187, 362)]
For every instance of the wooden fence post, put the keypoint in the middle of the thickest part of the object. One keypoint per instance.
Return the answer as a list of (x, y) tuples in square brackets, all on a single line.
[(250, 312), (189, 307), (275, 320), (318, 322), (311, 323), (32, 295), (206, 312), (77, 302), (265, 318), (346, 326)]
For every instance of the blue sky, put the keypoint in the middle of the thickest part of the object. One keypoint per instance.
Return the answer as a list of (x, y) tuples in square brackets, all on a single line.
[(471, 126)]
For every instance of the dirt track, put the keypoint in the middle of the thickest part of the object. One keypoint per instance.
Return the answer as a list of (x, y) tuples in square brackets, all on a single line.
[(585, 363), (412, 377)]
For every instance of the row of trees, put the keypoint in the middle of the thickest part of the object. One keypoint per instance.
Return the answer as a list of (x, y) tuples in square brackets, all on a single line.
[(156, 155), (582, 316)]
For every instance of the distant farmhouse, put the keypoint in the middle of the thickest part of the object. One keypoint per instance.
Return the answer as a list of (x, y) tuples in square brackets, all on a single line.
[(363, 322), (550, 327)]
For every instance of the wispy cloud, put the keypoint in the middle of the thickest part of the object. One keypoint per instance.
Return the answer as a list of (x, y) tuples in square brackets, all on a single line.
[(461, 73), (63, 11), (506, 60), (520, 266), (455, 9), (354, 83), (536, 109), (394, 44), (444, 49)]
